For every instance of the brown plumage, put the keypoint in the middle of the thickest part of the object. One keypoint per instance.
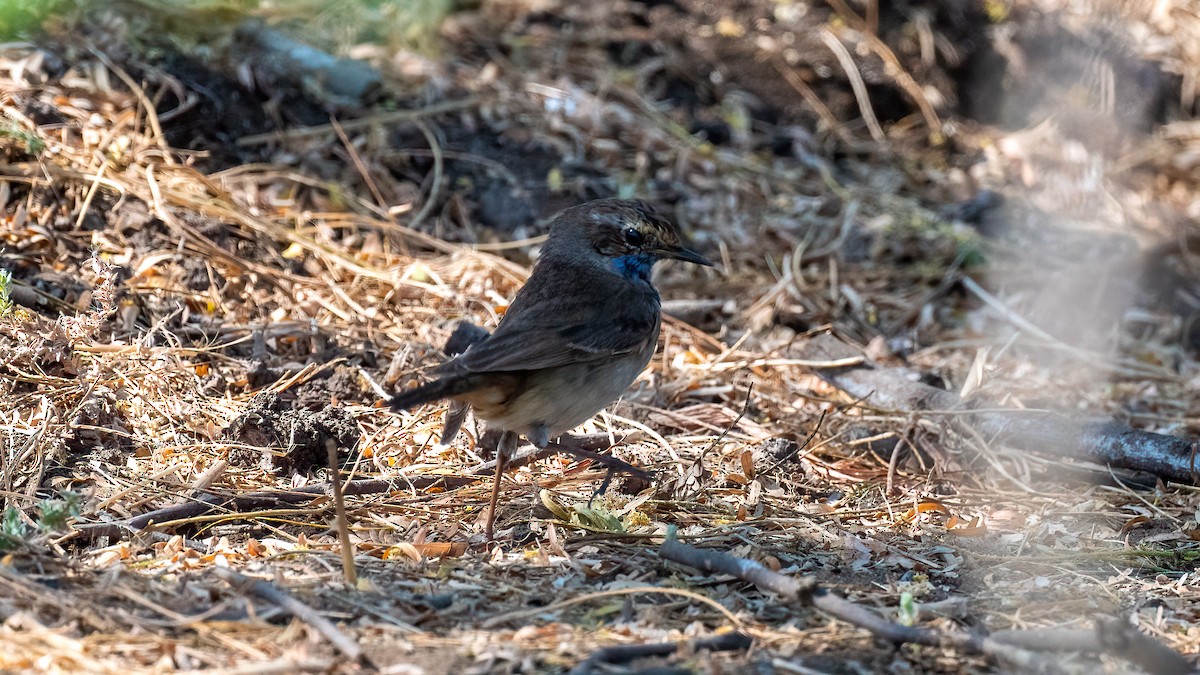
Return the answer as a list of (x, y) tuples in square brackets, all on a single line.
[(577, 334)]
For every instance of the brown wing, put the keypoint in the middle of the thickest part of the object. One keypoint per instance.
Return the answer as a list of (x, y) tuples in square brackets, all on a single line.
[(562, 319)]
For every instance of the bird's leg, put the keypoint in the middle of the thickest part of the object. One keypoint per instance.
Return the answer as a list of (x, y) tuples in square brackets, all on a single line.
[(608, 476), (505, 449), (610, 466)]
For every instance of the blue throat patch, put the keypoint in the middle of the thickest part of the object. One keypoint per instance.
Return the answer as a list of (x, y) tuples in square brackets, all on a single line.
[(634, 267)]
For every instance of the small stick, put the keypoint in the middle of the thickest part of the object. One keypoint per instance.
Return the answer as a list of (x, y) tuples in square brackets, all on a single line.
[(618, 654), (210, 476), (248, 502), (1019, 647), (698, 465), (267, 591), (339, 508)]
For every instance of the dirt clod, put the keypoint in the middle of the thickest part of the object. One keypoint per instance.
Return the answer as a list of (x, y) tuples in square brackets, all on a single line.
[(278, 437)]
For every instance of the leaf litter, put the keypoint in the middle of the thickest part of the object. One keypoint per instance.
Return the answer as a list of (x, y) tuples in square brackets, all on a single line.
[(166, 292)]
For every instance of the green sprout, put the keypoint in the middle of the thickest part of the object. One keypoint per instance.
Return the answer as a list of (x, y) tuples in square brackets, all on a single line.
[(6, 303)]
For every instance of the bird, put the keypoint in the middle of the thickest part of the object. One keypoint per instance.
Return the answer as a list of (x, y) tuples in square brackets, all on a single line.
[(577, 334)]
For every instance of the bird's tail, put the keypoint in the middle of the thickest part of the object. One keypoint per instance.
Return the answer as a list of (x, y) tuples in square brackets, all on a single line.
[(464, 336), (437, 390)]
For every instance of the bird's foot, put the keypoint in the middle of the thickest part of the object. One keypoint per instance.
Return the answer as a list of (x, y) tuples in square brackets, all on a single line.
[(603, 487)]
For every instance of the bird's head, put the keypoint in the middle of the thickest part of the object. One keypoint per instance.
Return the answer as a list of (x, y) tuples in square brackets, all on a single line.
[(630, 234)]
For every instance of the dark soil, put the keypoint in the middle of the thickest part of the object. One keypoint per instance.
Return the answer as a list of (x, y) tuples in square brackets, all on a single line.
[(284, 439)]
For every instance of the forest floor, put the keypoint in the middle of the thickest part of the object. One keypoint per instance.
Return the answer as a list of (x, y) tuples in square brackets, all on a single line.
[(211, 279)]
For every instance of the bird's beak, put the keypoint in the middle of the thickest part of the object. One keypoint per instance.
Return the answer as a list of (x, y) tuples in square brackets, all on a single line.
[(685, 254)]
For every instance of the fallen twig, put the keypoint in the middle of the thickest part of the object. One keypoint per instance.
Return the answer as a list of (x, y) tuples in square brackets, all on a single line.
[(1019, 647), (349, 571), (250, 502), (278, 597), (1118, 638), (697, 468), (616, 654), (1104, 441), (262, 499), (279, 57)]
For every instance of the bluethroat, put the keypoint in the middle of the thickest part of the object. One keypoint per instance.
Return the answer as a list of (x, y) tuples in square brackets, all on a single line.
[(575, 337)]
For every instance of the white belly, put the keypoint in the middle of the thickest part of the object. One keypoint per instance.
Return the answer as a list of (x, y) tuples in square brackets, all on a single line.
[(561, 399)]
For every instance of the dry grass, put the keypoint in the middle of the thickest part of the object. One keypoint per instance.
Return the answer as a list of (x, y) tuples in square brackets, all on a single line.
[(168, 295)]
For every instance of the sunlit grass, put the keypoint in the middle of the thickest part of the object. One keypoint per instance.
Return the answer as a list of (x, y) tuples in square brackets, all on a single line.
[(19, 18), (334, 25)]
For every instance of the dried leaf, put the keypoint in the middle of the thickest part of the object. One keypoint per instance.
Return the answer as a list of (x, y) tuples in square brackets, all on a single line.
[(554, 507), (1132, 523), (748, 464)]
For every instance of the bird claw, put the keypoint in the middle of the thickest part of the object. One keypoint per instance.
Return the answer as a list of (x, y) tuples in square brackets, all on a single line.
[(608, 476)]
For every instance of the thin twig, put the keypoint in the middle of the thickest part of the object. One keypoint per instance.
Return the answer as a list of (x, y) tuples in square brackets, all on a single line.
[(899, 74), (249, 503), (792, 453), (151, 113), (359, 164), (699, 463), (618, 654), (1022, 324), (1018, 647), (810, 97), (265, 590), (522, 614), (349, 571), (856, 83), (438, 170)]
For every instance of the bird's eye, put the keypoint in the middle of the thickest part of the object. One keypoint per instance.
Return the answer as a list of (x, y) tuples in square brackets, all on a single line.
[(633, 236)]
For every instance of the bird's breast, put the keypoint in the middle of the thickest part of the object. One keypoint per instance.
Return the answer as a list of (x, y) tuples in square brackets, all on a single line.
[(565, 397)]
